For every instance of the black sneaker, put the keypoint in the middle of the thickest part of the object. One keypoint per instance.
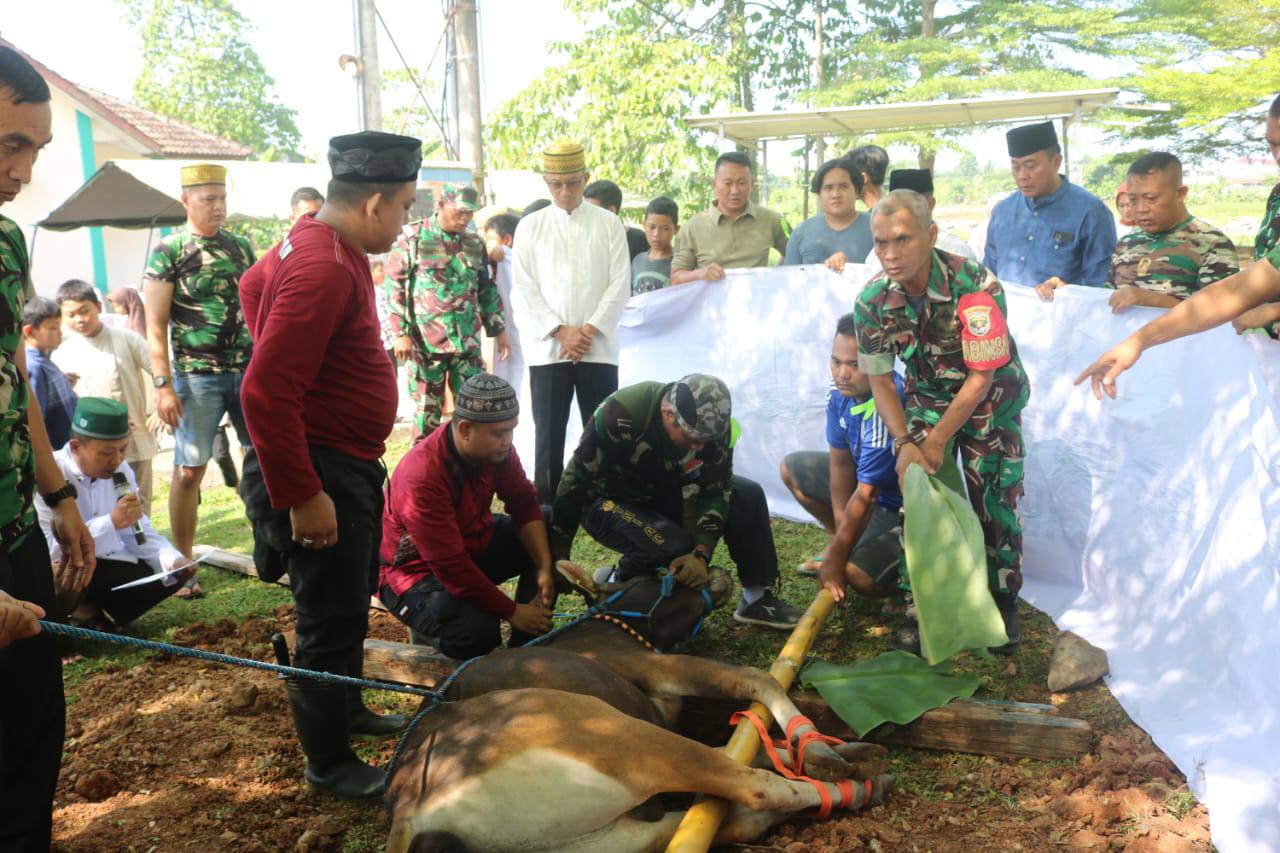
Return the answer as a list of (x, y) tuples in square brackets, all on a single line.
[(1008, 607), (769, 611)]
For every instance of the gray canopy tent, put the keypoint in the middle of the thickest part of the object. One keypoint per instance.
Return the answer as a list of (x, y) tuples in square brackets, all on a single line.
[(754, 130)]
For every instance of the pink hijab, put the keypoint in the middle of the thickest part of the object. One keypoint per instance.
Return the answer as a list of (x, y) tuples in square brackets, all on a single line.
[(128, 296)]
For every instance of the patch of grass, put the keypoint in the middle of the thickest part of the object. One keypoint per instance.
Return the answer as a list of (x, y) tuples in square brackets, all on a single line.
[(364, 837), (1180, 803)]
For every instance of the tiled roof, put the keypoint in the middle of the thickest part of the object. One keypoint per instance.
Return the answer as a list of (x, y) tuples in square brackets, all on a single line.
[(162, 136), (172, 138)]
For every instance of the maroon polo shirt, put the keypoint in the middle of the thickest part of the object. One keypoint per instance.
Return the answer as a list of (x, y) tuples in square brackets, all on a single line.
[(319, 374), (438, 518)]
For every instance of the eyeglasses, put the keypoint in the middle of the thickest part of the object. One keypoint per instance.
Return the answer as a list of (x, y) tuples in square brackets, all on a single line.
[(557, 186)]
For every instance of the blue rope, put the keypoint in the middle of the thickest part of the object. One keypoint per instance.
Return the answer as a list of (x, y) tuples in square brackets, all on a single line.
[(201, 654)]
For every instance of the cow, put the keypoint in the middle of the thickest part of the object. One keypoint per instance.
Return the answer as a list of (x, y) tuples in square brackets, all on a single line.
[(567, 745)]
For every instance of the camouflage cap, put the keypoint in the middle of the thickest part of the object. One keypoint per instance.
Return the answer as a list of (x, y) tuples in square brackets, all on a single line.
[(702, 406), (461, 196)]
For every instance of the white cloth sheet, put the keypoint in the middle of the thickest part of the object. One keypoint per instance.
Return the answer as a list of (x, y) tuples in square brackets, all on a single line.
[(1152, 521)]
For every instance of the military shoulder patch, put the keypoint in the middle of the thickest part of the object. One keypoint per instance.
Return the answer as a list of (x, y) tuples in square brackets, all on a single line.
[(984, 334)]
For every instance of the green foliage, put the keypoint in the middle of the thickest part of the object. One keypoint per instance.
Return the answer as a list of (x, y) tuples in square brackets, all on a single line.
[(198, 68), (404, 111), (894, 687), (262, 234), (624, 96), (1231, 68)]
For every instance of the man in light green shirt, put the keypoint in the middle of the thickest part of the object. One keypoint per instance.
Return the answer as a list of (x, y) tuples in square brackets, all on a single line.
[(735, 233)]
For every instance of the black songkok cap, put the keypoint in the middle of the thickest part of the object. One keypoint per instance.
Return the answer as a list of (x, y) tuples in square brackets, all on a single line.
[(373, 157), (1030, 138), (920, 180)]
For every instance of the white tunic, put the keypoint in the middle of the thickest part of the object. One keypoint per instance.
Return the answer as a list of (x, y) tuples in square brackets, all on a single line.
[(569, 269)]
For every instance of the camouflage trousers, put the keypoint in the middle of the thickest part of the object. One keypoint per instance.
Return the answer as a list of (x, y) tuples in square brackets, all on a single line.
[(427, 377), (992, 468)]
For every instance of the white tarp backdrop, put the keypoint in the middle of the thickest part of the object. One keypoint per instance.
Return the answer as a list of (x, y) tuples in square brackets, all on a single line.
[(1152, 521)]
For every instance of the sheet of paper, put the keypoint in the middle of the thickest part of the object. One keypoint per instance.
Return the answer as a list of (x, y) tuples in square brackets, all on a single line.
[(163, 575)]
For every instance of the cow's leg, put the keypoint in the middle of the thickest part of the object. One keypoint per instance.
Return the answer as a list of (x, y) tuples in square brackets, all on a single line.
[(686, 675)]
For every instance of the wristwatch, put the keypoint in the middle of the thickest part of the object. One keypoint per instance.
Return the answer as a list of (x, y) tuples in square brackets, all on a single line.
[(902, 440), (160, 381), (56, 497)]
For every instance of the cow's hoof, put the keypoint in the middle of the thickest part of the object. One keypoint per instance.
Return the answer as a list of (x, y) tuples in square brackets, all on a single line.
[(824, 763), (881, 786)]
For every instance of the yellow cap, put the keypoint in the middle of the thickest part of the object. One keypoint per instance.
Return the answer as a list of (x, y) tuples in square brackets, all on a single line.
[(203, 173), (562, 157)]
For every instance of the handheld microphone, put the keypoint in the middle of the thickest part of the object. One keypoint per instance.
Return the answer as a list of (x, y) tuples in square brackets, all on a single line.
[(121, 483)]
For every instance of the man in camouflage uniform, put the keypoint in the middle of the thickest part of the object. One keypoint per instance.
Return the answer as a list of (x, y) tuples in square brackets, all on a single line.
[(653, 479), (1171, 254), (32, 708), (193, 300), (944, 317), (1267, 317), (439, 292)]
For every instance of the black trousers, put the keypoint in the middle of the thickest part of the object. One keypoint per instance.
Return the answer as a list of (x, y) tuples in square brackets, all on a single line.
[(125, 605), (32, 709), (648, 538), (331, 586), (461, 629), (551, 390)]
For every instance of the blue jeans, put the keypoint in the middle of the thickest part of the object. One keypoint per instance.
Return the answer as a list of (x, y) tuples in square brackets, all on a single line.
[(205, 397)]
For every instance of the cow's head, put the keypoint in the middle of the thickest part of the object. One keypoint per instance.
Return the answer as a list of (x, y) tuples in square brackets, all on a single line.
[(665, 620)]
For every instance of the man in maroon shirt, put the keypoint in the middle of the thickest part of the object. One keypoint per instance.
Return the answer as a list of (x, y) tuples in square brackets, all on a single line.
[(319, 399), (444, 552)]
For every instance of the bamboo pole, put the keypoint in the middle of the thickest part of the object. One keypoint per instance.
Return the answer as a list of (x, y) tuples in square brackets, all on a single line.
[(700, 824)]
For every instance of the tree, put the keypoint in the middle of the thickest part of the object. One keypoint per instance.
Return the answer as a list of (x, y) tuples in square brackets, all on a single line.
[(198, 68), (408, 110), (1232, 70)]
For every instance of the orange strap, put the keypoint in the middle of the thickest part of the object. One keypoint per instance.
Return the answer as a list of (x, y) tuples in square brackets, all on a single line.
[(845, 786), (796, 751)]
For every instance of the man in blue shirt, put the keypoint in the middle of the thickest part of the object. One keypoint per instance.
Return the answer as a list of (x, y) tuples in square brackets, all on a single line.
[(1049, 227), (852, 489)]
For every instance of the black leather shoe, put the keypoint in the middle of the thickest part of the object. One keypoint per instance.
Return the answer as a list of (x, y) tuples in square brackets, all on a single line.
[(320, 717), (1008, 606), (906, 638)]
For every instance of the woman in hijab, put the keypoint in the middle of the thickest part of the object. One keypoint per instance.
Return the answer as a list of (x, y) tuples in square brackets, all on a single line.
[(1124, 207), (126, 301)]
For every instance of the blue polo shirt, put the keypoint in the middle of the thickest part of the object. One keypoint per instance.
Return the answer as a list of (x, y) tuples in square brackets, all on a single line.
[(853, 425), (1069, 233)]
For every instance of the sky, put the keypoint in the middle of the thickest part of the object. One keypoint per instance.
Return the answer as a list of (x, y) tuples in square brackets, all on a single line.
[(299, 42)]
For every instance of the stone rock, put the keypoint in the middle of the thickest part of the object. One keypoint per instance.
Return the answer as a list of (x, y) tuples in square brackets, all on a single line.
[(1075, 663), (309, 840), (211, 748), (242, 696), (1087, 840), (98, 785), (1166, 843), (325, 825)]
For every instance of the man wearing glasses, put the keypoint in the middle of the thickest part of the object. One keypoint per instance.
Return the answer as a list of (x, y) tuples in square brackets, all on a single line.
[(571, 277)]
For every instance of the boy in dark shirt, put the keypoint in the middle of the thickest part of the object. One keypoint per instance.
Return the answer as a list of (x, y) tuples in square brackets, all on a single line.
[(42, 333)]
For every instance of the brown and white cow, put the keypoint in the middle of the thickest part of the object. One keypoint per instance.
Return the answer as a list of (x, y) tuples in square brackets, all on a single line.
[(566, 746)]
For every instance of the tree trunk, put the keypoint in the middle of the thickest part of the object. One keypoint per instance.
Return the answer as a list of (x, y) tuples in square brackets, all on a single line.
[(925, 155)]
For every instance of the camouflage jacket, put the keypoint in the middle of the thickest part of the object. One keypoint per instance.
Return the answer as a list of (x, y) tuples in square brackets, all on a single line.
[(1269, 231), (439, 290), (932, 343), (1177, 262), (625, 455), (206, 325), (17, 463)]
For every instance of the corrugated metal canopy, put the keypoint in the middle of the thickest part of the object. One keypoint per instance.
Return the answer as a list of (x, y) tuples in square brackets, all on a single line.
[(749, 128)]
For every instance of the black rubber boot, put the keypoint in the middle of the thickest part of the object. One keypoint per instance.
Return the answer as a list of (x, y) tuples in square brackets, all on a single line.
[(906, 638), (1008, 606), (222, 455), (320, 717), (363, 723)]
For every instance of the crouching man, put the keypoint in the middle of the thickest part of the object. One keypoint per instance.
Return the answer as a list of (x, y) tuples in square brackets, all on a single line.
[(653, 478), (128, 547), (444, 552)]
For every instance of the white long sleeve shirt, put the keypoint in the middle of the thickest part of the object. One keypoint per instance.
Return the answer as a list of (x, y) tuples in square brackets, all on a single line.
[(114, 364), (96, 499), (569, 268)]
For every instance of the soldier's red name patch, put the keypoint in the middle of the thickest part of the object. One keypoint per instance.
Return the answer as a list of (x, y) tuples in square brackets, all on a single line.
[(984, 334)]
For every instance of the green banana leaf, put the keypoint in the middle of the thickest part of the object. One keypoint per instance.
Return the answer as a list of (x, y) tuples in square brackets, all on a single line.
[(895, 687), (947, 567)]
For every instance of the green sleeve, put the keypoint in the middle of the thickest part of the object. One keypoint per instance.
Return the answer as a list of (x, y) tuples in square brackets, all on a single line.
[(396, 286), (875, 350), (711, 504), (583, 479), (1221, 261)]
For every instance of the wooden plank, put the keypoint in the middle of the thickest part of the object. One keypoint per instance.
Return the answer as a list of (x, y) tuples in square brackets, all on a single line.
[(242, 564), (964, 725), (402, 663), (985, 727)]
